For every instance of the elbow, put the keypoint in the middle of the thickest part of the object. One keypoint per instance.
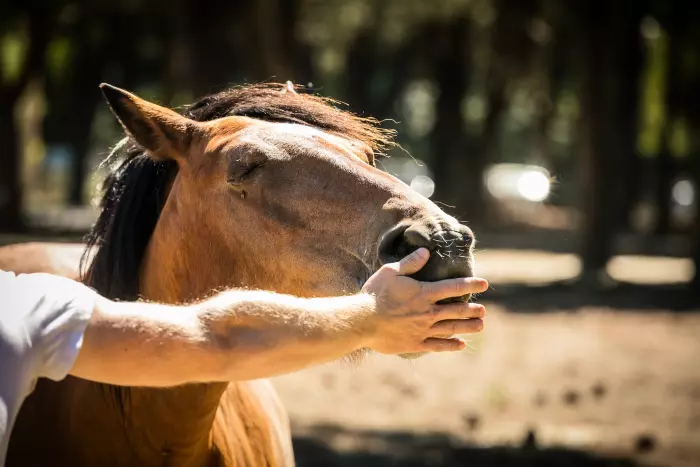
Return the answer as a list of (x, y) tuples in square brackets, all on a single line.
[(231, 348)]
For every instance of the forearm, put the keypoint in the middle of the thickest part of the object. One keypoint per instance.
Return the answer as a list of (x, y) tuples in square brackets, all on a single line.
[(271, 334), (235, 335)]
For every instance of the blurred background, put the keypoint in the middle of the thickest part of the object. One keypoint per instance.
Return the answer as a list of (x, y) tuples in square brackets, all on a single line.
[(567, 134)]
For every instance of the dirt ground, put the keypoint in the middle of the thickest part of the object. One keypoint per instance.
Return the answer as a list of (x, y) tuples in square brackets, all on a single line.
[(560, 376)]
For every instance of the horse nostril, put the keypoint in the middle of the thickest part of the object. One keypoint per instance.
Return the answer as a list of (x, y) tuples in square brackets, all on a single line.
[(403, 240), (418, 237), (392, 247), (468, 237)]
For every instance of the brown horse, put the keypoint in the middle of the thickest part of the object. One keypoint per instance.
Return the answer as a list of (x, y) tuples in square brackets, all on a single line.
[(256, 187)]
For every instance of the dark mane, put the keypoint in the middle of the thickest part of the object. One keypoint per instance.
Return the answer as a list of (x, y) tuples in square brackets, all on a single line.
[(136, 188)]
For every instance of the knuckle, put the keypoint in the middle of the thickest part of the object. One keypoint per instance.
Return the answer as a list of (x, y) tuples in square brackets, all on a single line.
[(460, 310), (433, 313), (475, 325), (471, 310), (423, 290), (464, 284), (455, 288)]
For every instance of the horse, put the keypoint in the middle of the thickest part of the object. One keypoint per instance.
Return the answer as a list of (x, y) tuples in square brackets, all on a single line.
[(259, 186)]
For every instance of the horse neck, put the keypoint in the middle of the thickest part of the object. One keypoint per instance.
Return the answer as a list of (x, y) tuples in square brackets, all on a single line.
[(173, 421)]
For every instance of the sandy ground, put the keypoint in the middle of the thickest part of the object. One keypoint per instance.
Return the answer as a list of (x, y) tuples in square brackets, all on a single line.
[(587, 385)]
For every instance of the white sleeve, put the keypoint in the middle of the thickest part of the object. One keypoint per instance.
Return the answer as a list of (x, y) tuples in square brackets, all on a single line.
[(50, 313)]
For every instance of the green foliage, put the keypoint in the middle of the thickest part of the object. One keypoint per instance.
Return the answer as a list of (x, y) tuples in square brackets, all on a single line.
[(13, 53), (58, 57), (680, 138), (652, 107)]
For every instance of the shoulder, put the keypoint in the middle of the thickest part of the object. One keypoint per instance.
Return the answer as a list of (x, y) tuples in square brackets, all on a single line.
[(27, 294), (45, 316)]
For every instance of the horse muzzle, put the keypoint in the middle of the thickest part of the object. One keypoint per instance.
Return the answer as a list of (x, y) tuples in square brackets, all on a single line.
[(450, 254)]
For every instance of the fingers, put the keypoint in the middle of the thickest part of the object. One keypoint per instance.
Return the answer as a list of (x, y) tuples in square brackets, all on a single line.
[(451, 344), (458, 310), (412, 263), (449, 288), (458, 326)]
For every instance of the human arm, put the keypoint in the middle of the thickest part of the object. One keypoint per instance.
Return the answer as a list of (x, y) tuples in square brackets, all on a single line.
[(241, 335)]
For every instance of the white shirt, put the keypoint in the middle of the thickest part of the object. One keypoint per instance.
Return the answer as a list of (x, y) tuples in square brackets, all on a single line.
[(42, 321)]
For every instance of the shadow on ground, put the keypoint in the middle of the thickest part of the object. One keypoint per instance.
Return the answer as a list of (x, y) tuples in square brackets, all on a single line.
[(331, 446), (572, 295)]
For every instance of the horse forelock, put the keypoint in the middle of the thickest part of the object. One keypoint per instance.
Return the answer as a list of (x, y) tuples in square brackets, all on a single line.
[(136, 188)]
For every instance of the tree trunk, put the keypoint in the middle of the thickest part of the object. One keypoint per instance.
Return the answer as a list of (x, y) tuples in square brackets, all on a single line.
[(79, 139), (627, 67), (457, 172), (73, 98), (663, 177), (214, 60), (598, 128), (695, 232), (366, 59), (72, 104), (299, 54), (273, 62), (10, 180), (664, 163), (360, 69), (11, 195)]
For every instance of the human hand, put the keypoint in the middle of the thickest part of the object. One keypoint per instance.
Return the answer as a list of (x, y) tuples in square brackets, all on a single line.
[(407, 318)]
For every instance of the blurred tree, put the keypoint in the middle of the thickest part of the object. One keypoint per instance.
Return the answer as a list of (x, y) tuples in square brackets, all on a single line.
[(81, 49), (278, 51), (682, 104), (665, 169), (460, 157), (457, 169), (626, 70), (34, 27), (609, 32)]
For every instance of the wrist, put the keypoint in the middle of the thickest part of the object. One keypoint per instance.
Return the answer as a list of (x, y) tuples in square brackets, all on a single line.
[(348, 319), (364, 319)]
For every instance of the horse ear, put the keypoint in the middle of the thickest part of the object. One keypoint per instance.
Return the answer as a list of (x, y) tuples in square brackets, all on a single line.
[(165, 134), (289, 88)]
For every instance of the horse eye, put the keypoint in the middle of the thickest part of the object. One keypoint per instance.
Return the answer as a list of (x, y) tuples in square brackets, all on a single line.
[(239, 171)]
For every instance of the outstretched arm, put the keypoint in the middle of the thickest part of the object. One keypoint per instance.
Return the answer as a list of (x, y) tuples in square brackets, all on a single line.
[(242, 335)]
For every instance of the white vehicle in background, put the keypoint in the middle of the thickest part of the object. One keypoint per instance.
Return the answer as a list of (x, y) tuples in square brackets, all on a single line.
[(503, 181), (518, 181)]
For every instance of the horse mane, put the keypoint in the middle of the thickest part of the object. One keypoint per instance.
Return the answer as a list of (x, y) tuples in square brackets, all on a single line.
[(136, 187)]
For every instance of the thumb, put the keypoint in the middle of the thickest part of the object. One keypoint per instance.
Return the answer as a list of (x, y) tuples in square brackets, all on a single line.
[(412, 263)]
